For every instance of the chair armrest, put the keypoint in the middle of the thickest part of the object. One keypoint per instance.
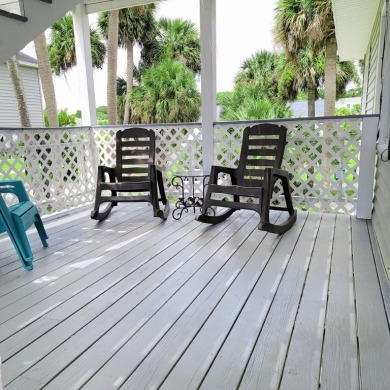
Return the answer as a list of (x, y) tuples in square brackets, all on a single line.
[(102, 169), (270, 177), (15, 187), (279, 173), (216, 169), (156, 167)]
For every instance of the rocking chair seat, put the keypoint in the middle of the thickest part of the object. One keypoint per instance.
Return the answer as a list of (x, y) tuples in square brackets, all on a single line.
[(135, 175), (258, 171)]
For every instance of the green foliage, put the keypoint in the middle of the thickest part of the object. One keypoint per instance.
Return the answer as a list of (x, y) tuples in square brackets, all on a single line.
[(344, 111), (167, 94), (102, 110), (353, 92), (62, 49), (249, 102), (64, 119), (136, 24), (174, 40), (78, 114), (121, 86)]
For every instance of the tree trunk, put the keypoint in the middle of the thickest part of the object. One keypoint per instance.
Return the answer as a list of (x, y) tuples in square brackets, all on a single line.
[(112, 60), (46, 79), (16, 80), (330, 76), (129, 81), (311, 99)]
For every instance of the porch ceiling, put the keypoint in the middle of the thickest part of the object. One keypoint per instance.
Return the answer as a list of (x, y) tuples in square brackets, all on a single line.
[(354, 20), (93, 6)]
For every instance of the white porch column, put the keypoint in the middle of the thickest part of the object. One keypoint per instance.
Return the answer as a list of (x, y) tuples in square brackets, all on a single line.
[(84, 65), (367, 168), (208, 48)]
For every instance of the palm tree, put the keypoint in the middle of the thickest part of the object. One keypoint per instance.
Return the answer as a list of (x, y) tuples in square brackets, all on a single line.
[(136, 25), (259, 70), (176, 39), (167, 94), (322, 35), (62, 48), (303, 23), (307, 71), (112, 53), (46, 79), (248, 102), (16, 80)]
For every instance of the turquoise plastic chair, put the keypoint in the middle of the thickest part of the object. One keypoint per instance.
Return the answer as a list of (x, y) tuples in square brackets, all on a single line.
[(16, 219)]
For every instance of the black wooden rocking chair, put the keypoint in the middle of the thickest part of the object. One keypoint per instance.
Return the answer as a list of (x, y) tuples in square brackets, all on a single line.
[(135, 173), (258, 170)]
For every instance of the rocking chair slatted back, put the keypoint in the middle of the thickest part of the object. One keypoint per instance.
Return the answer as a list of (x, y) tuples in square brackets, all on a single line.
[(135, 151), (135, 178), (255, 177), (262, 148)]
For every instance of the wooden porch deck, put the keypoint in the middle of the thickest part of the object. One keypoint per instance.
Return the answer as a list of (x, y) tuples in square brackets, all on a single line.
[(137, 303)]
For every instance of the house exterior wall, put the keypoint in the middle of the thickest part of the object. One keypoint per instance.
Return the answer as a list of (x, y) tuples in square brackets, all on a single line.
[(377, 92), (9, 115), (371, 80)]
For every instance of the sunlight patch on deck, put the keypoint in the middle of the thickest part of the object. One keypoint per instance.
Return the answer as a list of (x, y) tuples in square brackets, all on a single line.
[(121, 245), (32, 319), (44, 279), (85, 263)]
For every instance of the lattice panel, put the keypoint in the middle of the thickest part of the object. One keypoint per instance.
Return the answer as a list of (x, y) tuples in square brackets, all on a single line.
[(178, 148), (322, 158), (56, 165)]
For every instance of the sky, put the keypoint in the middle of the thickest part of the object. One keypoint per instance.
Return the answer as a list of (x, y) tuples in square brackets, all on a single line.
[(243, 28)]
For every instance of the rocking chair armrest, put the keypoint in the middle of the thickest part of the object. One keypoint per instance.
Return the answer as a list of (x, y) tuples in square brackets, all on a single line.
[(156, 167), (270, 177), (102, 169), (15, 187), (279, 173), (216, 169)]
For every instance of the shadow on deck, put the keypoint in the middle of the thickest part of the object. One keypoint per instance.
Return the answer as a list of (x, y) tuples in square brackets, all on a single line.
[(138, 303)]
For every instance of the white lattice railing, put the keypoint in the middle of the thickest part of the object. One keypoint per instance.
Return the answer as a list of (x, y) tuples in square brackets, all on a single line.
[(178, 148), (58, 166), (321, 155)]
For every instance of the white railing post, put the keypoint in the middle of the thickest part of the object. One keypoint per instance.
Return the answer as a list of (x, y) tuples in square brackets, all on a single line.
[(84, 65), (367, 168), (208, 78)]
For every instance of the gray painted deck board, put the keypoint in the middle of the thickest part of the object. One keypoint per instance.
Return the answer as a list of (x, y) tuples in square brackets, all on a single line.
[(340, 359), (139, 303), (265, 366), (302, 367), (384, 282), (244, 268), (372, 325), (229, 364)]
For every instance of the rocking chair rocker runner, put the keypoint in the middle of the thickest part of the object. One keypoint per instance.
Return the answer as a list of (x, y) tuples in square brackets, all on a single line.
[(135, 172), (16, 219), (255, 177)]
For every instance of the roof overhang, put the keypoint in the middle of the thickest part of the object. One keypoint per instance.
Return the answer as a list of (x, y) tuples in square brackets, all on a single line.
[(354, 20), (92, 6)]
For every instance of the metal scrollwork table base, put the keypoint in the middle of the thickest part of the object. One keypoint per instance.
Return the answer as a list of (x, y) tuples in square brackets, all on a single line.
[(192, 201)]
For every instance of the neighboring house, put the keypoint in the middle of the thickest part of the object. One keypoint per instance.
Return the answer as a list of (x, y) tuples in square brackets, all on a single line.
[(299, 107), (9, 116)]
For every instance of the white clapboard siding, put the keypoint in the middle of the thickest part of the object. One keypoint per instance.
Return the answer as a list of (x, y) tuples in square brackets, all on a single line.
[(371, 64), (9, 116), (381, 214)]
